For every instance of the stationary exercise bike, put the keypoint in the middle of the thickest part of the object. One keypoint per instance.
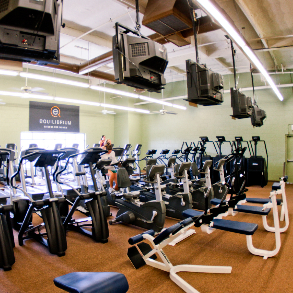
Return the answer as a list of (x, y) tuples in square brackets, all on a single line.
[(148, 215)]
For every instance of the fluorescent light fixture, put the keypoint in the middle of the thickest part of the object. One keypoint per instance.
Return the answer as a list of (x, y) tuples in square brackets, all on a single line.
[(73, 101), (155, 101), (101, 105), (113, 91), (216, 14), (8, 72), (77, 101), (98, 88), (135, 96), (125, 108), (26, 95), (54, 79)]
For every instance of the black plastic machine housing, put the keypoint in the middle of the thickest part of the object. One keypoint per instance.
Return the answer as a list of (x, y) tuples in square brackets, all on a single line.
[(257, 116), (29, 30), (138, 61), (241, 105), (204, 86)]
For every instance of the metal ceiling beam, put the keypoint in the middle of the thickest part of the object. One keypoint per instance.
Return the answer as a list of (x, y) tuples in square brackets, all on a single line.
[(273, 49), (242, 5), (76, 69), (95, 63)]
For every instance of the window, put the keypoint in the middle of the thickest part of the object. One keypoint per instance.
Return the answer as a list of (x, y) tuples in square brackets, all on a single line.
[(48, 140)]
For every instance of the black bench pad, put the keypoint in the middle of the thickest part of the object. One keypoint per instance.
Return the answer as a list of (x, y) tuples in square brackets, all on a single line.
[(252, 210), (216, 201), (262, 200), (93, 282), (276, 186), (234, 226), (189, 213)]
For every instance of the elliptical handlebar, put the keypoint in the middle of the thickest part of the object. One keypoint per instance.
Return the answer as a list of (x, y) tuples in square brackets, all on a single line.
[(20, 164), (56, 174), (6, 153)]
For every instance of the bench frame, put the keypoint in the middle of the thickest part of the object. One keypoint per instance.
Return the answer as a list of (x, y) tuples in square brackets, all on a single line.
[(166, 265), (276, 229)]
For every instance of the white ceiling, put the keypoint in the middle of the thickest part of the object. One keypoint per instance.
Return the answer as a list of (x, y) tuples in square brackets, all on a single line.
[(267, 26)]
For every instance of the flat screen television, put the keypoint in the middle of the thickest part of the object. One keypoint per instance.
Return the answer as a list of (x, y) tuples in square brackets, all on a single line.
[(203, 85), (30, 30), (241, 105), (138, 61)]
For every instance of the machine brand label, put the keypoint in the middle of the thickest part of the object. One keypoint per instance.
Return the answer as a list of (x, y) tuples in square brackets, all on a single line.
[(53, 117)]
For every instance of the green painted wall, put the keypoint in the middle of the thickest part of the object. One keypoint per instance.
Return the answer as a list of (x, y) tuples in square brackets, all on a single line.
[(15, 113), (160, 131), (169, 131), (121, 132)]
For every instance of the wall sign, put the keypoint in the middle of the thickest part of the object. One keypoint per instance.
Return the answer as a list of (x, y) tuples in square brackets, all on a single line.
[(53, 117)]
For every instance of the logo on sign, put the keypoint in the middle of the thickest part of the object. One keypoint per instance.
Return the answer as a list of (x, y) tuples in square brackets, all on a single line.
[(55, 111)]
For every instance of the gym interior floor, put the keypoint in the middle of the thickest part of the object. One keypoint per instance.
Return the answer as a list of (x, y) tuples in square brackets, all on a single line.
[(35, 268)]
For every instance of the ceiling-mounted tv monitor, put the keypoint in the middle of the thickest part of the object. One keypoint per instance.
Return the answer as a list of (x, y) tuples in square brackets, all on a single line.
[(257, 116), (203, 85), (29, 30), (241, 105), (138, 61)]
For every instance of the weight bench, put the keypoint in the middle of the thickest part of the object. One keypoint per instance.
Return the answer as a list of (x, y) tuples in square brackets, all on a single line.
[(278, 188), (249, 229), (216, 201), (92, 282), (275, 186), (142, 253)]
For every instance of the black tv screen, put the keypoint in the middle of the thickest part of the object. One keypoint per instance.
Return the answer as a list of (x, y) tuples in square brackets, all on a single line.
[(241, 105), (139, 62), (203, 85)]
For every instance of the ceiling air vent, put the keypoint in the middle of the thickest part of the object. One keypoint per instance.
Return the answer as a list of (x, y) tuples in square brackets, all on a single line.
[(4, 5), (167, 17)]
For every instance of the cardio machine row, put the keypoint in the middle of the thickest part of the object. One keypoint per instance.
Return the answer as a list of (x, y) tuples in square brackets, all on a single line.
[(70, 182), (67, 184)]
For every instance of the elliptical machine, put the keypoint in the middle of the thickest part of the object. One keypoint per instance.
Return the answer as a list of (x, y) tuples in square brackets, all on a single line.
[(148, 215), (47, 208), (7, 258), (93, 202)]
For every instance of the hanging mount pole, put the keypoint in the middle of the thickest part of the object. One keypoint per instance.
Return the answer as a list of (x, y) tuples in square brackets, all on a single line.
[(252, 81), (195, 29), (233, 59), (137, 24)]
